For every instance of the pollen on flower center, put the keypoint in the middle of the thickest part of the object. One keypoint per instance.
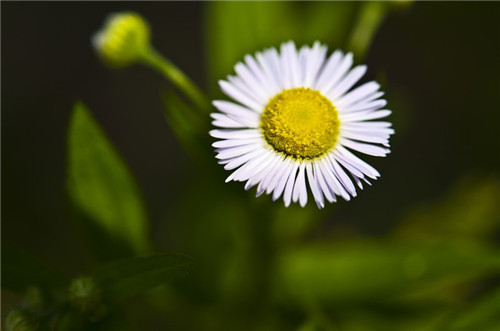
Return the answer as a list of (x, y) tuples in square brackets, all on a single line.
[(300, 123)]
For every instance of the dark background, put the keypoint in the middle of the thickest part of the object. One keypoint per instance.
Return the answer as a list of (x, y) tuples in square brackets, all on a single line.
[(439, 63)]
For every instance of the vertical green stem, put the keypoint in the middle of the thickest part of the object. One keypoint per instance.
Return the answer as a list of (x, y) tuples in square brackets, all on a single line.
[(369, 19), (177, 77)]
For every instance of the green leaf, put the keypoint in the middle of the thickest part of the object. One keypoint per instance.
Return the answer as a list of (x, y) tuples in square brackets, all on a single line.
[(187, 125), (483, 315), (468, 212), (124, 278), (292, 224), (103, 191), (238, 28), (366, 270), (21, 271)]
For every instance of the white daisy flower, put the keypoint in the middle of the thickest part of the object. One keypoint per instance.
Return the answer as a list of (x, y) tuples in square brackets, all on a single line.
[(295, 121)]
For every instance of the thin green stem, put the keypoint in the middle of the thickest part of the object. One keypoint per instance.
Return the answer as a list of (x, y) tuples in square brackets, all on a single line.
[(369, 19), (154, 59)]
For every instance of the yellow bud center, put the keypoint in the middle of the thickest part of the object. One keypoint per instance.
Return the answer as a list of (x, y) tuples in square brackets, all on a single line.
[(300, 123)]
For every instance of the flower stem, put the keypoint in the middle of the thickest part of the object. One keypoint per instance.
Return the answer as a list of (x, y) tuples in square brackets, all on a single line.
[(154, 59), (369, 19)]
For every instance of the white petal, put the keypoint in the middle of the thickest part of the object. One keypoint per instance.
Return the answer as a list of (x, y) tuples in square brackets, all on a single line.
[(287, 195), (285, 67), (251, 82), (300, 184), (293, 64), (336, 66), (231, 152), (233, 109), (274, 182), (362, 107), (238, 95), (266, 82), (364, 137), (270, 73), (303, 58), (274, 60), (222, 121), (332, 180), (315, 60), (225, 121), (358, 163), (236, 134), (260, 172), (346, 83), (252, 167), (361, 103), (364, 148), (368, 125), (328, 193), (313, 184), (249, 91), (234, 142), (342, 176), (358, 182), (283, 179), (364, 116), (240, 160), (358, 94), (352, 169), (267, 172), (372, 132)]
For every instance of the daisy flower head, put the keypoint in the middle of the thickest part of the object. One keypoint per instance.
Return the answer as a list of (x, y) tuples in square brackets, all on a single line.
[(296, 122)]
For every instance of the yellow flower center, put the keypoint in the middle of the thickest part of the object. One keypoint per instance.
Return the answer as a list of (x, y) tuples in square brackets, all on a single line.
[(300, 123)]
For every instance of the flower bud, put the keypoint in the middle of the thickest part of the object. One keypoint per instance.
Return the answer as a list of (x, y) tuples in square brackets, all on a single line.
[(123, 39), (85, 295)]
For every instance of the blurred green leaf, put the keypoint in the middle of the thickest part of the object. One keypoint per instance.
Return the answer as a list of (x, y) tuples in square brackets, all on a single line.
[(470, 211), (19, 320), (189, 128), (21, 271), (364, 270), (480, 315), (103, 190), (292, 223), (124, 278), (238, 28)]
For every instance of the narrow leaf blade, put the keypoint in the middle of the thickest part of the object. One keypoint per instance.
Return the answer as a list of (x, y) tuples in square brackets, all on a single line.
[(103, 191)]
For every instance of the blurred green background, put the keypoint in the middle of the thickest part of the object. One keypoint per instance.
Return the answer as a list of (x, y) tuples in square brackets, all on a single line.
[(416, 251)]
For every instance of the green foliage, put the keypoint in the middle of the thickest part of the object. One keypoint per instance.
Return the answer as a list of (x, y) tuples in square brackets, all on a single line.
[(238, 28), (363, 271), (189, 127), (124, 278), (18, 320), (470, 212), (484, 314), (103, 191), (90, 302), (369, 18), (23, 271), (259, 265)]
